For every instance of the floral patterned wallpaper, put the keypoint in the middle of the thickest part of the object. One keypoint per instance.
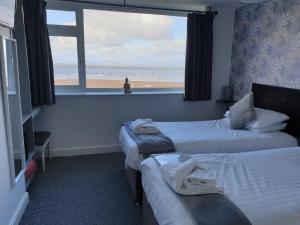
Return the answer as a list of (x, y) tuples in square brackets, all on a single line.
[(266, 46)]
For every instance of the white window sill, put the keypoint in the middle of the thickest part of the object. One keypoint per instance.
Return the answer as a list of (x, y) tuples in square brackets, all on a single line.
[(115, 93)]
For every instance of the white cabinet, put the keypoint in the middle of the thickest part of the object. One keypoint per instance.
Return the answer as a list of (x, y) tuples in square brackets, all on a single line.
[(7, 12), (12, 106)]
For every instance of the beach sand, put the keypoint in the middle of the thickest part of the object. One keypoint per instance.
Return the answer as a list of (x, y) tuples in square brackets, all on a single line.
[(119, 84)]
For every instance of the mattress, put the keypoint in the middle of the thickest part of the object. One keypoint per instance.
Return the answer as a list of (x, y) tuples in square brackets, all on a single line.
[(213, 136), (265, 185)]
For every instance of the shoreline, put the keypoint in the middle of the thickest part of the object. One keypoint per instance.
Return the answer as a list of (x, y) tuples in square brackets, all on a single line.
[(93, 83)]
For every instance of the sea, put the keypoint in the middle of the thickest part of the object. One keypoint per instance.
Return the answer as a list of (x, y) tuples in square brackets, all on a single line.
[(134, 73)]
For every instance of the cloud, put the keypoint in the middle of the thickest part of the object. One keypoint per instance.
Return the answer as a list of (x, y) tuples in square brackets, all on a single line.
[(115, 28), (160, 52), (64, 49), (115, 38)]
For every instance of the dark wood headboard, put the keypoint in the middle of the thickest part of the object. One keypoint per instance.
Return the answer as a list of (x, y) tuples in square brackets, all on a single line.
[(284, 100)]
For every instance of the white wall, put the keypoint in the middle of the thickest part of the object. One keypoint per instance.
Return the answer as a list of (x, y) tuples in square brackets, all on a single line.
[(90, 124), (12, 199)]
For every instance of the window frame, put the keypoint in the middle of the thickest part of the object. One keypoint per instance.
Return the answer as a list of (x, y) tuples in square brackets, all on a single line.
[(77, 31), (71, 31)]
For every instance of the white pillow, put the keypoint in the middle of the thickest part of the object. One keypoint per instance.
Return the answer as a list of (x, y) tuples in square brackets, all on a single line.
[(272, 128), (226, 115), (242, 112), (266, 118)]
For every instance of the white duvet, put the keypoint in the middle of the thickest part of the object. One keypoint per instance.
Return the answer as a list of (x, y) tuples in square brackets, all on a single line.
[(265, 185), (213, 136)]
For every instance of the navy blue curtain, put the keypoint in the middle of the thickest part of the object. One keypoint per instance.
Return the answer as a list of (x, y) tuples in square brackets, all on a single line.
[(39, 53), (199, 48)]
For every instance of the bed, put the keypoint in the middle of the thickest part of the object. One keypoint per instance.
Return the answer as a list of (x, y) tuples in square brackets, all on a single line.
[(213, 136), (265, 185), (195, 137)]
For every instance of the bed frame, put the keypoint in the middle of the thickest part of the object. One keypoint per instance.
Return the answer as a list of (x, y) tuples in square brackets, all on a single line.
[(275, 98), (134, 178), (148, 216), (282, 100)]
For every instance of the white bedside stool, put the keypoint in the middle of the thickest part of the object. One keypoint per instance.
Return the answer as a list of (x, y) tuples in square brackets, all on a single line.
[(42, 144)]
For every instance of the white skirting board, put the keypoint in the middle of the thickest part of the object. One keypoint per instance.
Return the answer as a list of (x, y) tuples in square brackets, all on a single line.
[(85, 150), (15, 220)]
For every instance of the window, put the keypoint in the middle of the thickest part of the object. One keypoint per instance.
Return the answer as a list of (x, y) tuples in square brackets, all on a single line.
[(97, 49), (64, 32), (65, 60), (58, 17)]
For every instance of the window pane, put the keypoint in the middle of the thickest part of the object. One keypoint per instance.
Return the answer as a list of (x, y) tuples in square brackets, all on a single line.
[(58, 17), (148, 49), (65, 60)]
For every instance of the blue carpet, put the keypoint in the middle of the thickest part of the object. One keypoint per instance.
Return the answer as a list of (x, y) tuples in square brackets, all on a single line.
[(82, 190)]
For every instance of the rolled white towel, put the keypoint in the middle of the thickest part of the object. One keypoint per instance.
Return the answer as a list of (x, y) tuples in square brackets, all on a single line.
[(188, 178), (199, 177), (139, 122), (144, 126)]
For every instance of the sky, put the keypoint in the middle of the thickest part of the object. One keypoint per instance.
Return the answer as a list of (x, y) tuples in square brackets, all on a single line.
[(119, 38)]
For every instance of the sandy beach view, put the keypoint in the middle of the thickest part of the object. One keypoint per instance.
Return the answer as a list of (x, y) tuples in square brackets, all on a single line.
[(98, 76), (92, 83)]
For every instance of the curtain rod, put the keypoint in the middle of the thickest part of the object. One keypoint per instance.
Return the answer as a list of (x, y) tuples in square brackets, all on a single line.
[(141, 7)]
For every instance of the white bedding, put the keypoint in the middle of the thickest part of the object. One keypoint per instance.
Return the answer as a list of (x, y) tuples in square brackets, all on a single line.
[(213, 136), (265, 185)]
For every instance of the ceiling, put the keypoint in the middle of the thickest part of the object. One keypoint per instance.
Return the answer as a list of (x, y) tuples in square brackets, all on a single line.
[(174, 4), (171, 4), (181, 4)]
